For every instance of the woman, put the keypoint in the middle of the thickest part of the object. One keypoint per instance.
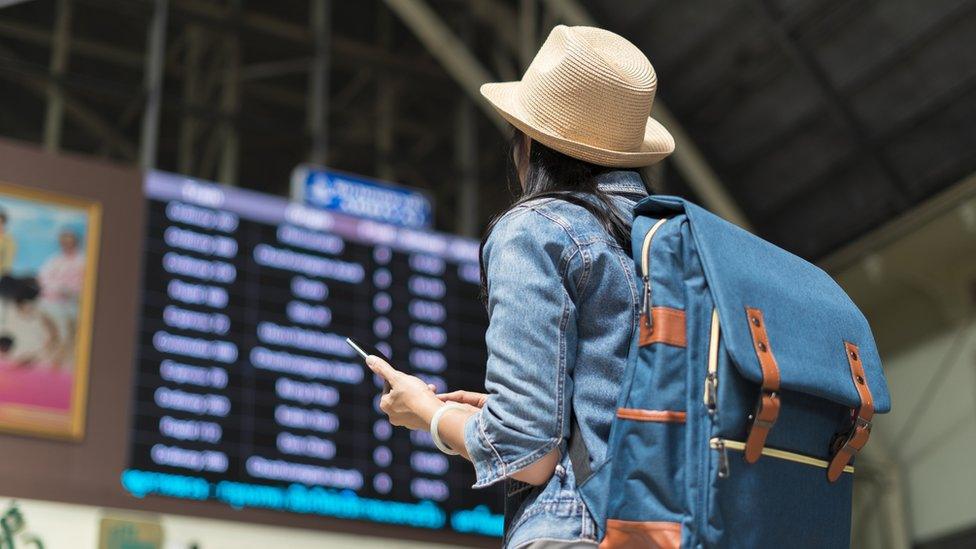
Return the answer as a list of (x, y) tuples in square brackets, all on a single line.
[(560, 285), (8, 246), (62, 278)]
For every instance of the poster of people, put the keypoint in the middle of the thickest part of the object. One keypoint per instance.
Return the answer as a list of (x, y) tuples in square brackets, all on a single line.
[(48, 254)]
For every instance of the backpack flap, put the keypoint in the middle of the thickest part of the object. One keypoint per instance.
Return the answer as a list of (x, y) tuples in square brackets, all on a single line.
[(783, 317)]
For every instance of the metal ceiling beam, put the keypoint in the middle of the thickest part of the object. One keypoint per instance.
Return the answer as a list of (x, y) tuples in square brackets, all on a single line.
[(42, 37), (318, 91), (54, 115), (37, 79), (230, 102), (81, 114), (349, 53), (815, 23), (835, 103), (297, 101), (688, 158), (515, 33), (808, 188), (274, 69), (859, 82), (962, 192), (346, 51), (500, 18), (385, 103), (8, 3), (450, 50), (466, 154), (528, 29), (192, 72), (153, 84)]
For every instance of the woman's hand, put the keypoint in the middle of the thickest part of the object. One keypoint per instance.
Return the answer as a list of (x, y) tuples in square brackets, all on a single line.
[(470, 398), (411, 402)]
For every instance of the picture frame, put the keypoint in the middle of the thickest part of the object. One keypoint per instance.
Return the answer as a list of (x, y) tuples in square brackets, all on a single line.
[(49, 250)]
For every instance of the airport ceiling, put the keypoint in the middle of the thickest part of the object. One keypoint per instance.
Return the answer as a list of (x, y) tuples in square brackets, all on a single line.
[(823, 118)]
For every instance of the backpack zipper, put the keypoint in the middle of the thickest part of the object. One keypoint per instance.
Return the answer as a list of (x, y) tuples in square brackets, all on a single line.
[(646, 270), (723, 457), (711, 378), (724, 445)]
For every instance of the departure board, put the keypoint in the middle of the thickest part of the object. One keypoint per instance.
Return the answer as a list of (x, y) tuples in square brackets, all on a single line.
[(246, 392)]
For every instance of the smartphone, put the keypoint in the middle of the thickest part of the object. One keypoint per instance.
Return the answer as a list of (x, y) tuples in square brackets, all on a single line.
[(364, 351)]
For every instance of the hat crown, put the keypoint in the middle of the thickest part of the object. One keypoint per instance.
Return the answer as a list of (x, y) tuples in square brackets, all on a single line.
[(590, 85)]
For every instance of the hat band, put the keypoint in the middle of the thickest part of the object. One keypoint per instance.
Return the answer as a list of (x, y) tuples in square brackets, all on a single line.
[(611, 126)]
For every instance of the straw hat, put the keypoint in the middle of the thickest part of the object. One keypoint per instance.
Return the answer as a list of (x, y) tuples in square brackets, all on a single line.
[(588, 94)]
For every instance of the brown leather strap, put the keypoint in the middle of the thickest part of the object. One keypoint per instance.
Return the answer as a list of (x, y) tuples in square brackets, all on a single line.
[(767, 405), (659, 416), (848, 443), (625, 534), (667, 326)]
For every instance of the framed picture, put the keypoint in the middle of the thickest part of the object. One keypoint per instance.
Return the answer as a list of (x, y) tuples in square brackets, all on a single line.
[(48, 256)]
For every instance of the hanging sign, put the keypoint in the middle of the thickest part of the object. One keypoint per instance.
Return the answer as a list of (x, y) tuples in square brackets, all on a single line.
[(362, 197)]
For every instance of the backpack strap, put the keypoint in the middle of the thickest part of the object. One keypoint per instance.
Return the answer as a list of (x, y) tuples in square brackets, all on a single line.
[(579, 455), (848, 443), (767, 405)]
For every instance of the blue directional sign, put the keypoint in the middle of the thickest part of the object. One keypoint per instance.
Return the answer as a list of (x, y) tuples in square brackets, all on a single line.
[(362, 197)]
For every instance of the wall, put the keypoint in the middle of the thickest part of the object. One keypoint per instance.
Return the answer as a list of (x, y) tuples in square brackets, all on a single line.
[(934, 384), (61, 525), (918, 293), (87, 472)]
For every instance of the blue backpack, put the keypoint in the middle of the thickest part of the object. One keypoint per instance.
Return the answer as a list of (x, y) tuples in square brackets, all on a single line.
[(750, 387)]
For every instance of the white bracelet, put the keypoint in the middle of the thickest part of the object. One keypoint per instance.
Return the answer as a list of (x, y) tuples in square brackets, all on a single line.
[(435, 421)]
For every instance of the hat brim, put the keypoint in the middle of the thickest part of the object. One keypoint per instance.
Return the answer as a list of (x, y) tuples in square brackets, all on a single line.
[(658, 142)]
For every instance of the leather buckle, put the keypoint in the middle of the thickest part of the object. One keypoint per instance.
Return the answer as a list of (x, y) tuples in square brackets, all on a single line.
[(759, 416), (761, 422), (844, 439), (847, 444)]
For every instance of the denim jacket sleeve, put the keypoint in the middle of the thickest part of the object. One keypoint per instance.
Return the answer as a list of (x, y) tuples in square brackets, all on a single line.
[(533, 267)]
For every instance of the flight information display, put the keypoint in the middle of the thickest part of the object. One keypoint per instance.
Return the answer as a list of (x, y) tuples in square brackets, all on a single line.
[(246, 391)]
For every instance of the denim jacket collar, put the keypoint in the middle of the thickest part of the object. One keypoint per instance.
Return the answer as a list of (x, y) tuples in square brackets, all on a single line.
[(621, 181)]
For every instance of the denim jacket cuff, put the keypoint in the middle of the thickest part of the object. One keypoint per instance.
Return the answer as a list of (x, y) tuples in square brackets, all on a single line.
[(488, 465)]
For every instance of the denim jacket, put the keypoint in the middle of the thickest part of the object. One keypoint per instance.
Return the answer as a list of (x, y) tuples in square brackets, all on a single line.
[(563, 307)]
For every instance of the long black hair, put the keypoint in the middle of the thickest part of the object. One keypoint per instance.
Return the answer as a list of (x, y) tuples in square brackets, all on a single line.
[(551, 174)]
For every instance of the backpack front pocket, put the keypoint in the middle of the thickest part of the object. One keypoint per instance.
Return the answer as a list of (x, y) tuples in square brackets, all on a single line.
[(781, 500)]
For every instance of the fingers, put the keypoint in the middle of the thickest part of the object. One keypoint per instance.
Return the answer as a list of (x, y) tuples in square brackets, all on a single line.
[(471, 408), (463, 397), (381, 367), (453, 396), (386, 405)]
